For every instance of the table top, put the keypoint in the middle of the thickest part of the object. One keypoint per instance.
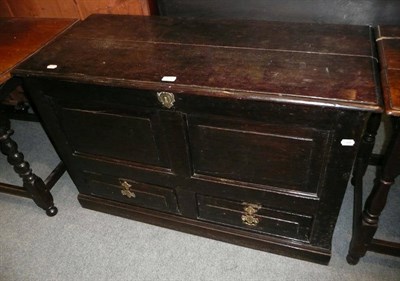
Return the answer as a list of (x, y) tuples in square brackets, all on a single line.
[(21, 37), (388, 39), (316, 64)]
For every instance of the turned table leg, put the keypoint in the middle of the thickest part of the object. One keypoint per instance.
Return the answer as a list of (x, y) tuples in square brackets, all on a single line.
[(367, 224), (366, 147), (33, 184)]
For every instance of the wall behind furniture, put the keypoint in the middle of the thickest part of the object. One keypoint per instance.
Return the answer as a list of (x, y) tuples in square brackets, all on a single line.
[(365, 12), (73, 8)]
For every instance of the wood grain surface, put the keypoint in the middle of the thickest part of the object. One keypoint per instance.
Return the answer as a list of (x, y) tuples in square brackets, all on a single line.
[(73, 8), (389, 55), (21, 37), (330, 64)]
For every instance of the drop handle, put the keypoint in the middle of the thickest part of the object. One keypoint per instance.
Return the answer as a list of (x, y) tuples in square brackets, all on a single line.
[(249, 217), (250, 220), (126, 189)]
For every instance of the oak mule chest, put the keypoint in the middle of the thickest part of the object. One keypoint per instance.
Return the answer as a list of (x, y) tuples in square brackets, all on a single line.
[(241, 131)]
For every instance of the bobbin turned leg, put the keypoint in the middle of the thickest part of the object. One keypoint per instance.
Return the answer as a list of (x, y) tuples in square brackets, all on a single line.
[(33, 184), (360, 167), (367, 225)]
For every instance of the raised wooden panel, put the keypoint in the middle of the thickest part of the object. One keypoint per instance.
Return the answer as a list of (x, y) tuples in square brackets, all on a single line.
[(117, 136), (288, 157)]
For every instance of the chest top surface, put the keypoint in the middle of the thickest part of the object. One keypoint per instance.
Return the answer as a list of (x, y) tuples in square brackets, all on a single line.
[(329, 65), (389, 51), (21, 37)]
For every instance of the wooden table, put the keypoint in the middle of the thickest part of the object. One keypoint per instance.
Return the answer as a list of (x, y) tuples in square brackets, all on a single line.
[(366, 221), (19, 39)]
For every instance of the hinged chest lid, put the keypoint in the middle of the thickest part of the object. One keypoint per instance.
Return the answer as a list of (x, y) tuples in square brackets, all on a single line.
[(328, 65)]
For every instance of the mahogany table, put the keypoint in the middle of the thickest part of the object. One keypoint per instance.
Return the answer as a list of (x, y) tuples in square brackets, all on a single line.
[(366, 222), (19, 39)]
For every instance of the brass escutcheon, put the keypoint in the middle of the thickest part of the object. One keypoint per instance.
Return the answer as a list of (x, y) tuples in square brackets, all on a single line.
[(126, 189), (250, 211), (167, 99)]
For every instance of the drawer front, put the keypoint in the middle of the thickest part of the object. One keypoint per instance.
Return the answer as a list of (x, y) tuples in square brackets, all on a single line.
[(132, 192), (254, 217)]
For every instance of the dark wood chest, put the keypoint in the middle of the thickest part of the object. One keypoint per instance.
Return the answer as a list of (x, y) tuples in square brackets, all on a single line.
[(242, 131)]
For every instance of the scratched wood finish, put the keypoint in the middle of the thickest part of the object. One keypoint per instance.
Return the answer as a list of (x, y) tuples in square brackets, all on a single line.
[(312, 68), (73, 8), (388, 39), (21, 37), (251, 150)]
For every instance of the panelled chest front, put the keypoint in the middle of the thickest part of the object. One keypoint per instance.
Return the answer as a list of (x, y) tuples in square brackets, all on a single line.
[(240, 131)]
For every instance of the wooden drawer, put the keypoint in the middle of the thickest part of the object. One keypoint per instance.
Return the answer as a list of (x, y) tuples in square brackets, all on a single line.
[(132, 192), (254, 217)]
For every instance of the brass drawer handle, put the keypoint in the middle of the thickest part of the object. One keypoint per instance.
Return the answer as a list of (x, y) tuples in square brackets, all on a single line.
[(167, 99), (250, 211), (126, 189), (250, 220)]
